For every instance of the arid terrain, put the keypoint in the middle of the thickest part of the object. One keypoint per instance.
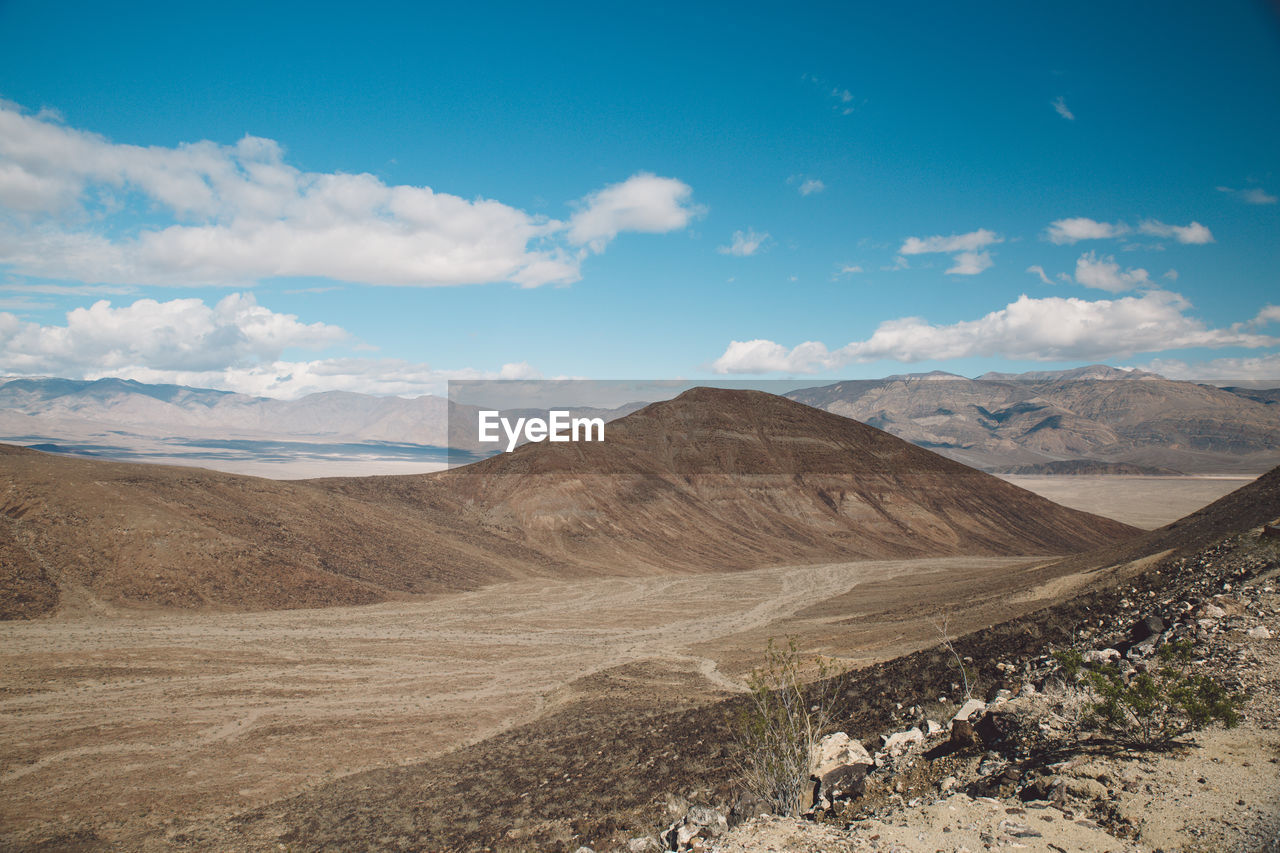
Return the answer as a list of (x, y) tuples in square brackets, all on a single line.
[(551, 703)]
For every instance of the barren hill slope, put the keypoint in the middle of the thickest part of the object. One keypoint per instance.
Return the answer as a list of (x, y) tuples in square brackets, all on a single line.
[(713, 480), (744, 478), (187, 537)]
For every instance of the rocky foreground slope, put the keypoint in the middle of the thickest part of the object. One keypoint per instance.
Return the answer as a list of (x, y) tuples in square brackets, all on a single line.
[(710, 481)]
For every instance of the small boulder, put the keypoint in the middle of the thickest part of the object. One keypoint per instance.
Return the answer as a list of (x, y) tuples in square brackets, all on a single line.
[(1101, 656), (1260, 632), (1151, 626), (901, 741), (746, 807), (838, 750), (844, 783), (969, 709), (963, 736), (644, 844)]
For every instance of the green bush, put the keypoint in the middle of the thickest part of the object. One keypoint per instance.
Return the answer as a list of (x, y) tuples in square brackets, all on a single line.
[(1156, 707)]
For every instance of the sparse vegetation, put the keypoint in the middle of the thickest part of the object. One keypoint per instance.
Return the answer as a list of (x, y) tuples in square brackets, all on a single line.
[(780, 726), (966, 678), (1152, 708)]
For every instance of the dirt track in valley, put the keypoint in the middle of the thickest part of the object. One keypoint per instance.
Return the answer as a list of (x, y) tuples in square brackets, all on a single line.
[(129, 721)]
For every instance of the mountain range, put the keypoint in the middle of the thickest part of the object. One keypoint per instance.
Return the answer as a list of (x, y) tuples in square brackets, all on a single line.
[(1101, 419), (1097, 414)]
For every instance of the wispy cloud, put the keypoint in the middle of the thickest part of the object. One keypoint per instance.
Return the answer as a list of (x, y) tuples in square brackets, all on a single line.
[(1251, 195), (966, 249), (1038, 271), (1194, 234), (1060, 107), (1075, 229), (1049, 329), (745, 243), (811, 186)]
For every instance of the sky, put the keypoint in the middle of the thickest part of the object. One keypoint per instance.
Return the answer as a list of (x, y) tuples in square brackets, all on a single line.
[(285, 198)]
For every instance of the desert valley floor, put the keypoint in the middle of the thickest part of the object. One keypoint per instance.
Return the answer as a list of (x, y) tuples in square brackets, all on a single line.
[(126, 720)]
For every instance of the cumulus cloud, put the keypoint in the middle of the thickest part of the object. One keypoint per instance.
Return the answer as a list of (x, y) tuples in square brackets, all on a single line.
[(233, 345), (643, 202), (968, 259), (1049, 329), (1075, 229), (219, 214), (1103, 273), (1269, 314), (970, 263), (745, 243), (811, 186), (1060, 107), (182, 334), (1252, 195)]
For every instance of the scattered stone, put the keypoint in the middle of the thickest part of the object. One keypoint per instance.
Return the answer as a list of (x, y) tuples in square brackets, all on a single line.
[(963, 736), (644, 844), (901, 741), (1150, 627), (1101, 656), (701, 822), (1261, 632)]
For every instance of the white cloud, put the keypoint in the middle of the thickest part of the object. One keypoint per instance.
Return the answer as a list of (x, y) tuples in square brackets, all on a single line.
[(1060, 106), (1269, 314), (811, 186), (1073, 230), (850, 269), (1195, 233), (968, 259), (1103, 273), (182, 334), (234, 345), (1252, 195), (643, 202), (745, 243), (218, 214), (1038, 270), (970, 263), (970, 242), (1171, 275), (1049, 329), (1247, 367)]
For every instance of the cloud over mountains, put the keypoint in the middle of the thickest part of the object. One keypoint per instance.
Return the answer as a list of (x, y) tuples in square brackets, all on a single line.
[(76, 206)]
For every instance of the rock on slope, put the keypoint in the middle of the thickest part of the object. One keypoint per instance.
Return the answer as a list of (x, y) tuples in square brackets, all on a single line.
[(713, 480)]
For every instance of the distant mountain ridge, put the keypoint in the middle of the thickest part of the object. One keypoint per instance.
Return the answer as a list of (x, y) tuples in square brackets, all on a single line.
[(1098, 413), (996, 422)]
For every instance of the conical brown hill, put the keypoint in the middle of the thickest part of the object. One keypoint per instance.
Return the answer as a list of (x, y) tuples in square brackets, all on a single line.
[(721, 479)]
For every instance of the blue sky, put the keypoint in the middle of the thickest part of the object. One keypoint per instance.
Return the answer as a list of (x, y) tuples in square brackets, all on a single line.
[(311, 196)]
